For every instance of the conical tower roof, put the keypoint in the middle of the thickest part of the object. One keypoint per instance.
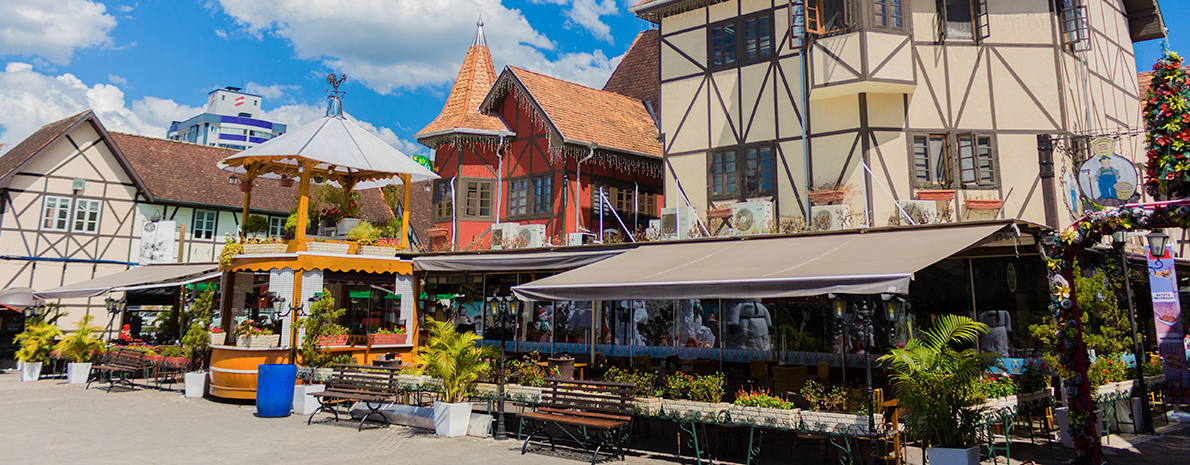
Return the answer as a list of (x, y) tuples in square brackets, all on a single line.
[(461, 116)]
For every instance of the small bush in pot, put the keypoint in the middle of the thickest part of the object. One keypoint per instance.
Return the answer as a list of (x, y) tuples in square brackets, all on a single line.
[(78, 347), (320, 322), (458, 361)]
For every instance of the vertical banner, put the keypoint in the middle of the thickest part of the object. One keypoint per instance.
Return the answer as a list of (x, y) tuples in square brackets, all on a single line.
[(157, 242), (1167, 319)]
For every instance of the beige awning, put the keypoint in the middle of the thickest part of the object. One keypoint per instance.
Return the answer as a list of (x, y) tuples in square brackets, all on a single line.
[(512, 261), (852, 262), (157, 273)]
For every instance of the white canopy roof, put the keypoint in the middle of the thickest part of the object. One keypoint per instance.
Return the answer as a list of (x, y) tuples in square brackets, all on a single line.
[(338, 144), (155, 273)]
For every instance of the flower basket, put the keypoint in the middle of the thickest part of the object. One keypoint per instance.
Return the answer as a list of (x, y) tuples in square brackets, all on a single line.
[(218, 339), (376, 250), (245, 187), (252, 249), (839, 423), (983, 204), (648, 406), (765, 417), (333, 341), (385, 339), (696, 411), (155, 359), (827, 197), (327, 247), (271, 340), (935, 194), (285, 182)]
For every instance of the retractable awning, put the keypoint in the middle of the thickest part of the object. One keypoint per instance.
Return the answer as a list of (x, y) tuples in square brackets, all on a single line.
[(149, 274), (512, 261), (853, 262)]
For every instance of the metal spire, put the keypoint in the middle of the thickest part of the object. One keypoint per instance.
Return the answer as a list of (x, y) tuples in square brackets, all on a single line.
[(479, 39)]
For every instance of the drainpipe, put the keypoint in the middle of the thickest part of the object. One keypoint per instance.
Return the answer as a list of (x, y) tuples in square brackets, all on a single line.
[(806, 120), (454, 215), (578, 187), (499, 176)]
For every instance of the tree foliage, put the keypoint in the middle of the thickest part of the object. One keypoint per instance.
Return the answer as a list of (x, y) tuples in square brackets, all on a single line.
[(322, 321), (79, 345), (455, 358)]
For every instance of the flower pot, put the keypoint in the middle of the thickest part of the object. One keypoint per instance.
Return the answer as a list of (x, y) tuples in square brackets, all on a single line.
[(285, 182), (218, 339), (1062, 417), (385, 339), (765, 417), (245, 187), (303, 402), (982, 209), (333, 341), (254, 249), (948, 456), (30, 371), (78, 372), (696, 411), (376, 250), (647, 406), (837, 422), (196, 383), (271, 340), (339, 248), (345, 225), (827, 197), (450, 420), (935, 194)]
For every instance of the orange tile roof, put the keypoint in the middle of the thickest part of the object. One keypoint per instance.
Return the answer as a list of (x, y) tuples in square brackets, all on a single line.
[(461, 111), (639, 73), (583, 115)]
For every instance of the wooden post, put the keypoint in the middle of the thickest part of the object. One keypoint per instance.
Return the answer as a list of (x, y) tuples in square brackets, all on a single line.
[(182, 244), (405, 212), (299, 236), (249, 177), (293, 314)]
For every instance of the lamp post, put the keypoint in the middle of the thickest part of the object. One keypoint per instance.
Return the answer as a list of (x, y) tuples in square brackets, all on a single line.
[(504, 312), (861, 317)]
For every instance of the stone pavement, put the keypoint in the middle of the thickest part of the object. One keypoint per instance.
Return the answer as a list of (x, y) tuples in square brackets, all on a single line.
[(50, 422)]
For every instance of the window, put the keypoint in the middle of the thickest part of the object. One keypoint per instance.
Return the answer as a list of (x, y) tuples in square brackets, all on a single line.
[(277, 225), (976, 167), (86, 216), (626, 199), (1072, 22), (750, 35), (518, 197), (826, 16), (543, 195), (888, 13), (204, 224), (961, 19), (56, 215), (930, 165), (443, 200), (477, 195), (742, 173), (974, 157)]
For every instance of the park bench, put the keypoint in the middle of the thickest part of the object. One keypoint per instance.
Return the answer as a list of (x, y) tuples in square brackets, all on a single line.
[(598, 406), (122, 362), (374, 386)]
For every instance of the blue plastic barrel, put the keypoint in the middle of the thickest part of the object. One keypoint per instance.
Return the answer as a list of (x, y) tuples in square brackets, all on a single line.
[(274, 389)]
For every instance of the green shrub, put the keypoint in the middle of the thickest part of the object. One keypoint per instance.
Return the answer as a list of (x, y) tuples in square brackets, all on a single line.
[(36, 341), (761, 398), (643, 380), (256, 224), (78, 346), (320, 322), (819, 398)]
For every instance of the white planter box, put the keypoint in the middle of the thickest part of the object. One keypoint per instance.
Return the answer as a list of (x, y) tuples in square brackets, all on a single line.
[(770, 417), (303, 402), (451, 420), (522, 393), (376, 250), (196, 384), (327, 247), (700, 411), (1062, 417), (78, 372), (947, 456), (30, 371), (488, 390), (218, 339), (836, 422), (272, 340), (254, 249), (647, 405)]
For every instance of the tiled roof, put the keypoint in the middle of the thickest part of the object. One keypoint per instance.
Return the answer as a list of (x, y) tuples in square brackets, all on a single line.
[(639, 73), (421, 209), (583, 115), (461, 110), (182, 172), (32, 145)]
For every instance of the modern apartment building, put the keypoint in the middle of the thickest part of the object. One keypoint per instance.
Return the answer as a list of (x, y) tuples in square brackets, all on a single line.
[(232, 120)]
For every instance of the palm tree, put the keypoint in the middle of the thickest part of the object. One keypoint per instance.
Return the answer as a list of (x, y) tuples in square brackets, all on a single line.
[(935, 382), (455, 358)]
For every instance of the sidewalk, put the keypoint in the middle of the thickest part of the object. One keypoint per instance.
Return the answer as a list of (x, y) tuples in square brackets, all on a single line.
[(50, 422)]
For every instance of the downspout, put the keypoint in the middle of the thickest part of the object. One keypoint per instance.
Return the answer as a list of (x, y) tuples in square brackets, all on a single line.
[(499, 176), (806, 120), (578, 187), (454, 215)]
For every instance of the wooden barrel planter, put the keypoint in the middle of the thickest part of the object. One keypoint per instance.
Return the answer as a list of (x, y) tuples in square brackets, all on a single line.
[(234, 369)]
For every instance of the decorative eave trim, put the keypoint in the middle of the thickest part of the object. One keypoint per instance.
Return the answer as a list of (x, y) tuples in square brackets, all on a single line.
[(507, 86), (608, 157), (657, 9), (458, 135)]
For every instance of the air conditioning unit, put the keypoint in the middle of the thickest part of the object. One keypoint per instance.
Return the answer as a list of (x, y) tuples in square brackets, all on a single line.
[(503, 234), (578, 238), (676, 222), (830, 217), (920, 211), (752, 217), (530, 235)]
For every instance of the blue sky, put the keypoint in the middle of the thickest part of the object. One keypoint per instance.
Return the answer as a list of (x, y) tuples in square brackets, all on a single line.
[(143, 64)]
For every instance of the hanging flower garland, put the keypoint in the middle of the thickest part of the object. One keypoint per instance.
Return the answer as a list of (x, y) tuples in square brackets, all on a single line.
[(1167, 120)]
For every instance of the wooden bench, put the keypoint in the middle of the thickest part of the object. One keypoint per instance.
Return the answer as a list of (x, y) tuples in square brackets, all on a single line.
[(372, 385), (122, 361), (592, 405)]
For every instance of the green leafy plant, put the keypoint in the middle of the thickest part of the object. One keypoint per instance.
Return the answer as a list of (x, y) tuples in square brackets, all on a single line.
[(1108, 369), (455, 358), (321, 322), (1032, 378), (760, 397), (201, 311), (256, 224), (706, 388), (643, 380), (936, 383), (36, 341), (231, 248), (342, 359), (993, 386), (364, 233), (819, 398), (79, 345)]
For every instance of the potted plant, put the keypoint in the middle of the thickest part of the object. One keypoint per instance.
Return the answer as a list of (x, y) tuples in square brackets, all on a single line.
[(458, 361), (694, 397), (36, 343), (645, 397), (216, 336), (366, 236), (264, 245), (231, 249), (325, 246), (248, 334), (980, 208), (933, 191), (759, 408), (827, 410), (78, 347), (319, 326), (830, 194), (937, 385), (382, 337)]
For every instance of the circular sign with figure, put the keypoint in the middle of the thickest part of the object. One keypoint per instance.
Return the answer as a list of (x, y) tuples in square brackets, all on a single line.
[(1107, 179)]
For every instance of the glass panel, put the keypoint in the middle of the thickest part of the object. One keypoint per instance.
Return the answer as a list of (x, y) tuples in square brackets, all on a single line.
[(717, 46), (766, 37), (729, 178), (966, 159), (959, 25), (766, 169), (938, 161), (728, 44), (921, 159), (986, 168), (750, 45)]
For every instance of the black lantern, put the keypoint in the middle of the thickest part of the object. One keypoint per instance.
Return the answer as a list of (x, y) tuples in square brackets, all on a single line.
[(893, 306), (1157, 241), (839, 306)]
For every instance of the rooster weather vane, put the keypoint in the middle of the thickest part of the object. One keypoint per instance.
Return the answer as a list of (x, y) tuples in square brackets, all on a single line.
[(334, 106)]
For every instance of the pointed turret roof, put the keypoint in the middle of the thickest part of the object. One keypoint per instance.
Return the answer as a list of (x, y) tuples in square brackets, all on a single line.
[(460, 115)]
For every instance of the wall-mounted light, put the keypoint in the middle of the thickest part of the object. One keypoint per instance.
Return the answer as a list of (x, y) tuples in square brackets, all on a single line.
[(1157, 241)]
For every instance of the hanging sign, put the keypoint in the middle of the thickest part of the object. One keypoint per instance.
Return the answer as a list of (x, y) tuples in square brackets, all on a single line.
[(157, 242), (1107, 179), (1167, 319)]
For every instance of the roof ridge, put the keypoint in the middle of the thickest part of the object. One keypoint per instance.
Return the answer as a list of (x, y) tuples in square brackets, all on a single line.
[(572, 83)]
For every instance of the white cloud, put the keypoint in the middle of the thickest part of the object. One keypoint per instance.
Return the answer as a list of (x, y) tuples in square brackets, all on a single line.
[(112, 78), (409, 44), (53, 29), (30, 100), (587, 14), (272, 92), (221, 33), (124, 8)]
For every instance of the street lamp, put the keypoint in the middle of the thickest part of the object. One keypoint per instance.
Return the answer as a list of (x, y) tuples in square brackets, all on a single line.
[(1157, 241), (506, 309), (861, 317), (1138, 351)]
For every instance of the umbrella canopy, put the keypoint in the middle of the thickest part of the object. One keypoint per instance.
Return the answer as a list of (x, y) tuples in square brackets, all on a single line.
[(339, 149)]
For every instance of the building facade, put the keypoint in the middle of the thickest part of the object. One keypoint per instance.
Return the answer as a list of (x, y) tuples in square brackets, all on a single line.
[(232, 120), (854, 113)]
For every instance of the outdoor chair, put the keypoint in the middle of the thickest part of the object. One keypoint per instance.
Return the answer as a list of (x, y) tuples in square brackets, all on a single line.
[(788, 379), (703, 367)]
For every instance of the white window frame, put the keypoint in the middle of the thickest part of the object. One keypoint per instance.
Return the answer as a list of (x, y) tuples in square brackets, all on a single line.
[(277, 225), (60, 215), (208, 224), (85, 208)]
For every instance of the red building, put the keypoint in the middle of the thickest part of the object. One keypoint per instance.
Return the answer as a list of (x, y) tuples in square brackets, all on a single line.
[(526, 148)]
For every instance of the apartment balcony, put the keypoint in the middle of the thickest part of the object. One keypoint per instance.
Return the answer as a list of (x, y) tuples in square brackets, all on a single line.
[(864, 61)]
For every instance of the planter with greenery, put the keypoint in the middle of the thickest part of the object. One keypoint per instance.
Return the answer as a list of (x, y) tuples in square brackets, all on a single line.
[(36, 342), (319, 324), (382, 337), (458, 361), (827, 411), (645, 396), (338, 248), (937, 385), (694, 397), (759, 408), (248, 334), (366, 236), (227, 255), (264, 245), (78, 348)]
